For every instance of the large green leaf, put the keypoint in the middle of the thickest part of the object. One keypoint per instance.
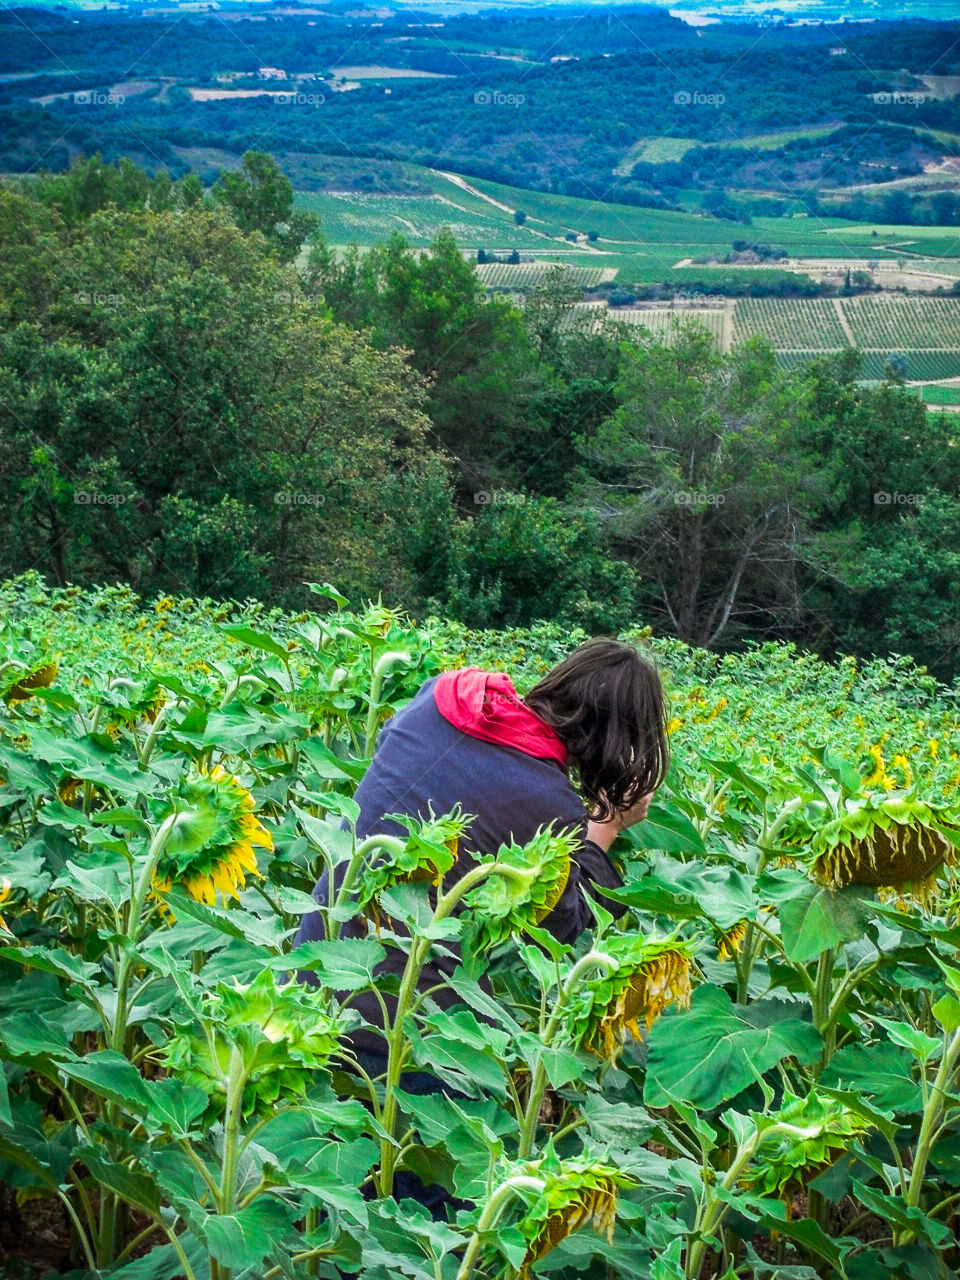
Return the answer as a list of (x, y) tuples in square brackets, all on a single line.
[(820, 918), (812, 1237), (172, 1106), (54, 960), (686, 890), (884, 1072), (243, 1239), (163, 1262), (110, 1075), (107, 882), (255, 640), (27, 1035), (132, 1185), (708, 1053), (668, 828), (893, 1210), (343, 964)]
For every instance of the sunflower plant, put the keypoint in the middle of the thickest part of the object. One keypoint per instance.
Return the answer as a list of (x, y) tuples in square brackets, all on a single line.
[(225, 833), (20, 680), (774, 1153), (561, 1197)]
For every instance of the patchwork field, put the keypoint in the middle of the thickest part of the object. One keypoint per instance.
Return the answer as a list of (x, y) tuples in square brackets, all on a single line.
[(922, 333), (525, 275), (641, 245), (605, 242)]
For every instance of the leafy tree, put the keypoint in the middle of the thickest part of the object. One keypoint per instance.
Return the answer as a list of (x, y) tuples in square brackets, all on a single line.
[(260, 198), (486, 389), (524, 558), (199, 428), (698, 478), (890, 483)]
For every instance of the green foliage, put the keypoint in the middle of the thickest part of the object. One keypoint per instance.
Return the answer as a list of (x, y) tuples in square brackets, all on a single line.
[(260, 198), (159, 1054)]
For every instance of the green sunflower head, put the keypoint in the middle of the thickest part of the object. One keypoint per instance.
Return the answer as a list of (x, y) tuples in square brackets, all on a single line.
[(428, 853), (575, 1193), (283, 1034), (536, 877), (823, 1130), (651, 973)]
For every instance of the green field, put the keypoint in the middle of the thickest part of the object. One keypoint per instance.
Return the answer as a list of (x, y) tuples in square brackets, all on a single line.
[(642, 244), (941, 395), (773, 138), (795, 324), (654, 151), (925, 332), (525, 275)]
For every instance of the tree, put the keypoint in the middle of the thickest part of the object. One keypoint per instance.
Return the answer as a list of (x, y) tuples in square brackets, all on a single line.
[(519, 217), (487, 390), (260, 198), (201, 429), (699, 480)]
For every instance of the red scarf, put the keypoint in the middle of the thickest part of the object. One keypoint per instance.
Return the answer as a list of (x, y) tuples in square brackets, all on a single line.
[(485, 705)]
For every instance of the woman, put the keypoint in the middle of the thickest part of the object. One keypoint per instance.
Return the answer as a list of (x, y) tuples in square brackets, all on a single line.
[(467, 738)]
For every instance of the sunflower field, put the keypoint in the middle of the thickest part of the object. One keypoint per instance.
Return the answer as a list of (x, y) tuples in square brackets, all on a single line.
[(752, 1072)]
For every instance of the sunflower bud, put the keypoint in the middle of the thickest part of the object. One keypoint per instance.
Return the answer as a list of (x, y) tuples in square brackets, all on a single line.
[(428, 853), (815, 1132), (530, 884), (284, 1034)]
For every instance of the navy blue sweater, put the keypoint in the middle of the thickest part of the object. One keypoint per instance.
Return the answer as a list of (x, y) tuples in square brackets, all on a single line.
[(422, 760)]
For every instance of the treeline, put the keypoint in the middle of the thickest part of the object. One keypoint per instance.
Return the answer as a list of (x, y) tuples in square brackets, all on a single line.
[(184, 409), (576, 120)]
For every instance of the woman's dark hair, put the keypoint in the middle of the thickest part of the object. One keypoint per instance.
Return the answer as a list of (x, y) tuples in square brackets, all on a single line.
[(606, 702)]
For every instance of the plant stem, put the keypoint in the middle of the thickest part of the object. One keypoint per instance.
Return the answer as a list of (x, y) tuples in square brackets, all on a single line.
[(932, 1115), (489, 1216), (528, 1128), (395, 1036), (358, 857)]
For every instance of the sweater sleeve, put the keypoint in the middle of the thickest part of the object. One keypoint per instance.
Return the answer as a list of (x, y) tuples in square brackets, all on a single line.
[(572, 914)]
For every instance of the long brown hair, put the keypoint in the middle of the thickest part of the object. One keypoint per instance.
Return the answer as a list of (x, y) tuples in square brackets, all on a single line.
[(606, 702)]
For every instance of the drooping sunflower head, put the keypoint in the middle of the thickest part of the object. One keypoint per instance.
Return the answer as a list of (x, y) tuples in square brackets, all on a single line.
[(285, 1035), (651, 973), (69, 788), (428, 853), (220, 850), (895, 844), (536, 876), (822, 1130), (20, 680), (576, 1193), (730, 940)]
